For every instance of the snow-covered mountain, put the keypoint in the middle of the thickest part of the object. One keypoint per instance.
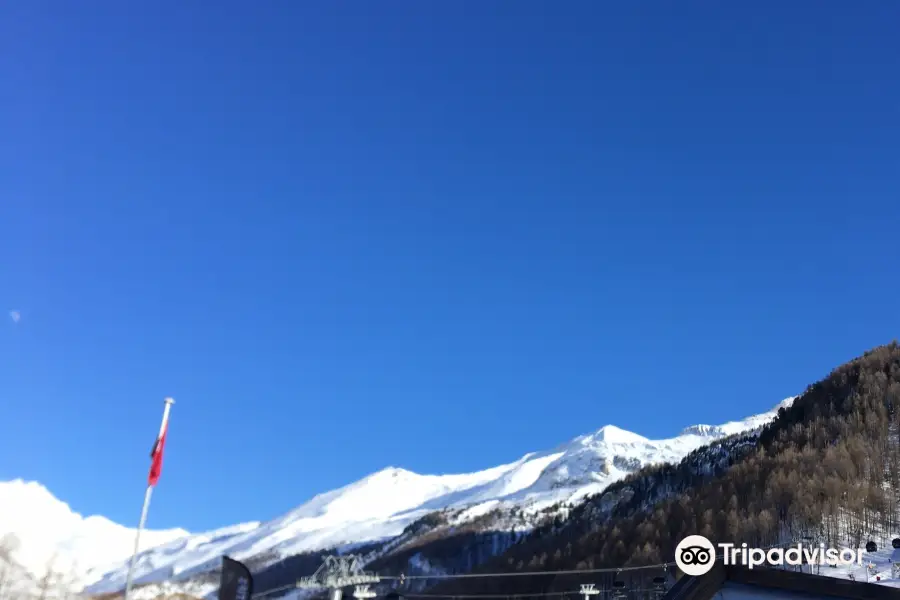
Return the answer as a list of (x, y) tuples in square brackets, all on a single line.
[(376, 508), (44, 533)]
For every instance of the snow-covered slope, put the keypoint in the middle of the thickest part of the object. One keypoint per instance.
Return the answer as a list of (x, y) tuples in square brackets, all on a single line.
[(380, 506), (46, 533)]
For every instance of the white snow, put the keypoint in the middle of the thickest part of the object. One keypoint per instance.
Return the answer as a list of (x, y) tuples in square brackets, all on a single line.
[(52, 536), (613, 435), (376, 507)]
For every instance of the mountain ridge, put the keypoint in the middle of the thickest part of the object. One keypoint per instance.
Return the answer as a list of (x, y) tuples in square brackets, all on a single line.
[(381, 505), (32, 514)]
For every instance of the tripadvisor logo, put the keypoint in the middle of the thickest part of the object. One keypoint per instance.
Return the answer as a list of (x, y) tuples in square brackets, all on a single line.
[(695, 555)]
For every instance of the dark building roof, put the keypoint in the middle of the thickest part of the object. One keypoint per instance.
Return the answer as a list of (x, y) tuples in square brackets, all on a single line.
[(741, 583)]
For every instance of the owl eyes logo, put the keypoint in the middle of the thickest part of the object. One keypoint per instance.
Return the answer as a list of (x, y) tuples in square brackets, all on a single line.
[(695, 555)]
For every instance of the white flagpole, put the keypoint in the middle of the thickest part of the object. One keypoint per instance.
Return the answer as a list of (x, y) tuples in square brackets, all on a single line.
[(147, 494)]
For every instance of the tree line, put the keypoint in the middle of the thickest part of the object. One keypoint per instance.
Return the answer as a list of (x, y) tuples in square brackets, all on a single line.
[(827, 470)]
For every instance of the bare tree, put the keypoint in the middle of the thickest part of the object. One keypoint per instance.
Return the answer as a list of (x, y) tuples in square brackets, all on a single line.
[(9, 545), (49, 581), (66, 584)]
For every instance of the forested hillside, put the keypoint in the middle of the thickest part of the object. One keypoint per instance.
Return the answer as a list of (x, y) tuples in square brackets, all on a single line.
[(827, 469)]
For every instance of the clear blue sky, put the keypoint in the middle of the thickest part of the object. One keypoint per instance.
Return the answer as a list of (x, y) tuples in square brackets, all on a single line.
[(434, 235)]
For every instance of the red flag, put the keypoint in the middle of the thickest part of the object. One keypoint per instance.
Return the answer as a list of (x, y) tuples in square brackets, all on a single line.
[(156, 455)]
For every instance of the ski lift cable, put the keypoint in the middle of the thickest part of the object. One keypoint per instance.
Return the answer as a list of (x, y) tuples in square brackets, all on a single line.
[(283, 588), (532, 573), (561, 572), (507, 574), (523, 595), (486, 595), (541, 594)]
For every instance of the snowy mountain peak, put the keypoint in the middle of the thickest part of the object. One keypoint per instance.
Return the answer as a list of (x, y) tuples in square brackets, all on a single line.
[(393, 473), (614, 435)]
